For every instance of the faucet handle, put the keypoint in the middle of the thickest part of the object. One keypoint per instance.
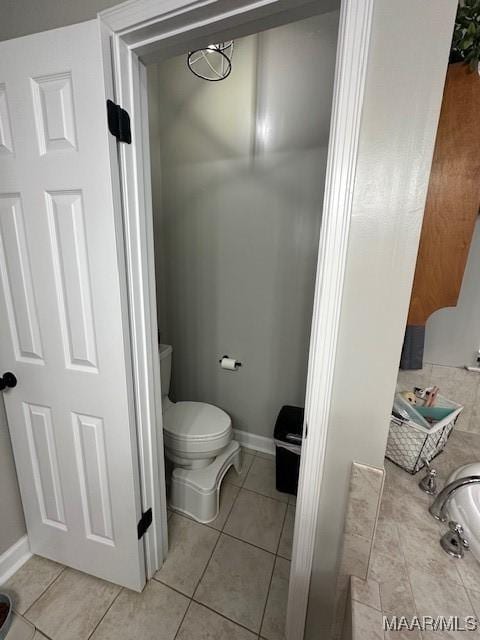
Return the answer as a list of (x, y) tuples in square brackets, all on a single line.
[(429, 482), (453, 542), (457, 529), (430, 469)]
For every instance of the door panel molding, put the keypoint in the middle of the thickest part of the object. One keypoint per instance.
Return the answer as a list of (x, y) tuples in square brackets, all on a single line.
[(92, 469), (67, 233), (17, 281), (54, 112), (43, 453), (6, 141)]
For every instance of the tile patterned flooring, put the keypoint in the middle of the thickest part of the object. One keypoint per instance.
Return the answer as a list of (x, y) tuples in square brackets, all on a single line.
[(224, 581), (410, 574)]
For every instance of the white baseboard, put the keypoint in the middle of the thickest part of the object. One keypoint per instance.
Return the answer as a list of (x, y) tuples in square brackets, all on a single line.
[(252, 441), (13, 558)]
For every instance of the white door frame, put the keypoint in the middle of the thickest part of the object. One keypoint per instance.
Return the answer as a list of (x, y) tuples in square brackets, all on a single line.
[(145, 28)]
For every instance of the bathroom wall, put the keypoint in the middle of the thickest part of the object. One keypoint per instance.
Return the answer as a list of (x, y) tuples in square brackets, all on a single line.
[(452, 335), (21, 17), (238, 191), (12, 524)]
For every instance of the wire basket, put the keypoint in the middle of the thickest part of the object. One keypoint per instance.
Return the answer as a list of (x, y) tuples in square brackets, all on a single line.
[(410, 444)]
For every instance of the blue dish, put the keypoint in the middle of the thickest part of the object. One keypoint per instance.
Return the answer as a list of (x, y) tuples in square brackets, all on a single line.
[(434, 413)]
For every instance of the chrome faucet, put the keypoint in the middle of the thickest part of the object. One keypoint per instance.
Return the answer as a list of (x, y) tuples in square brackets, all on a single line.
[(429, 482), (439, 507)]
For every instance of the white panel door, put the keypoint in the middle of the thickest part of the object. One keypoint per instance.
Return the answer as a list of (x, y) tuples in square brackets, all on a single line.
[(64, 332)]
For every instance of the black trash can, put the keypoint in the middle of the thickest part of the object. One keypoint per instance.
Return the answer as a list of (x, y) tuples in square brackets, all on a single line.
[(288, 448)]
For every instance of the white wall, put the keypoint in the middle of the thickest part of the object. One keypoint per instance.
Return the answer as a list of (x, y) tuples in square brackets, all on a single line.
[(21, 17), (452, 335), (405, 77), (12, 523), (237, 217)]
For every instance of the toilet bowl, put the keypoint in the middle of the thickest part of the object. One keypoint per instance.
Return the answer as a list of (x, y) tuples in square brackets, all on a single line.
[(195, 433), (198, 444)]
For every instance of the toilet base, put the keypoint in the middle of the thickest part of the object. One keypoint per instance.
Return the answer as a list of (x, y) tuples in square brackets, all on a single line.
[(196, 492)]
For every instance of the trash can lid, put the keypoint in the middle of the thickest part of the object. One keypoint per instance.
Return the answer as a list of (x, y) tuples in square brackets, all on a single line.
[(289, 420)]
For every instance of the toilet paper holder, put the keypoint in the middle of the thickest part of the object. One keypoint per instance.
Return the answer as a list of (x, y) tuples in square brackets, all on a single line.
[(237, 364)]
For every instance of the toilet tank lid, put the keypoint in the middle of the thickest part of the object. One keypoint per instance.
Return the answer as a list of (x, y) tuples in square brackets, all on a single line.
[(164, 350), (196, 421)]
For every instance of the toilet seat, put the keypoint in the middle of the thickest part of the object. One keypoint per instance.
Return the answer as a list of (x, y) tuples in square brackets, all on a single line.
[(195, 428), (196, 421)]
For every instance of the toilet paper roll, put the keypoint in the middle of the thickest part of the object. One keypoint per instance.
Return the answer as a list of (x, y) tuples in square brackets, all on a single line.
[(230, 364)]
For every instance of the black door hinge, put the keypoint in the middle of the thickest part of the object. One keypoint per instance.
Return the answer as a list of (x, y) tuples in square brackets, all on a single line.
[(119, 122), (144, 522)]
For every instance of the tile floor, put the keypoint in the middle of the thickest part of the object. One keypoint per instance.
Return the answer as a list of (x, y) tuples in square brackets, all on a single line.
[(226, 580), (410, 574)]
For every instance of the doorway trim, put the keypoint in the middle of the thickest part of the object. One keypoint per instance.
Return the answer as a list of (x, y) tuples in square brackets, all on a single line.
[(145, 28)]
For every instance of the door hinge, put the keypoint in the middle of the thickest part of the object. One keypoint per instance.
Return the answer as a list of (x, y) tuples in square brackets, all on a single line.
[(144, 522), (119, 122)]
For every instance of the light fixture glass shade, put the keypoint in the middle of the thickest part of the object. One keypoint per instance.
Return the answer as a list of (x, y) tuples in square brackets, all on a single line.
[(213, 63)]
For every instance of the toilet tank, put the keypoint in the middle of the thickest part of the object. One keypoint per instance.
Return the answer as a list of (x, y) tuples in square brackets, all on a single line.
[(165, 355)]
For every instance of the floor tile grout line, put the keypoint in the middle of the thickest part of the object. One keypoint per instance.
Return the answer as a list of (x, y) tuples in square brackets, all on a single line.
[(50, 584), (407, 571), (255, 546), (183, 618), (471, 602), (265, 495), (281, 530), (248, 471), (462, 581), (225, 617), (35, 628), (42, 632), (209, 525), (268, 595), (107, 610), (169, 586), (230, 535), (207, 564), (231, 509), (222, 532), (206, 567)]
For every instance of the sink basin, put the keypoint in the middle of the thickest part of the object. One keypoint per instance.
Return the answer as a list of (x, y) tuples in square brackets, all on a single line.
[(464, 507)]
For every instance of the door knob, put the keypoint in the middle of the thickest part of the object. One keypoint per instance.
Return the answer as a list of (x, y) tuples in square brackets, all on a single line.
[(7, 380)]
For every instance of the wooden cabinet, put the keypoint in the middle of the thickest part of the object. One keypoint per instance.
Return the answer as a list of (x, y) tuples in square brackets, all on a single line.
[(453, 198)]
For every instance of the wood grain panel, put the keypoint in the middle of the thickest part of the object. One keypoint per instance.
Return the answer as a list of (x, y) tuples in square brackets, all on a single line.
[(453, 198)]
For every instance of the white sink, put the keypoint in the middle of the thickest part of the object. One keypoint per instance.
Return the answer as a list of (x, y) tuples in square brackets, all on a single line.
[(464, 507)]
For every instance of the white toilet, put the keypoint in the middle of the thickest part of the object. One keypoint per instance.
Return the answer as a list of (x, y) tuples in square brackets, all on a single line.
[(198, 443)]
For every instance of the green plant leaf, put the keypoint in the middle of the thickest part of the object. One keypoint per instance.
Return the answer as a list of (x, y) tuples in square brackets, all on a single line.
[(466, 34)]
